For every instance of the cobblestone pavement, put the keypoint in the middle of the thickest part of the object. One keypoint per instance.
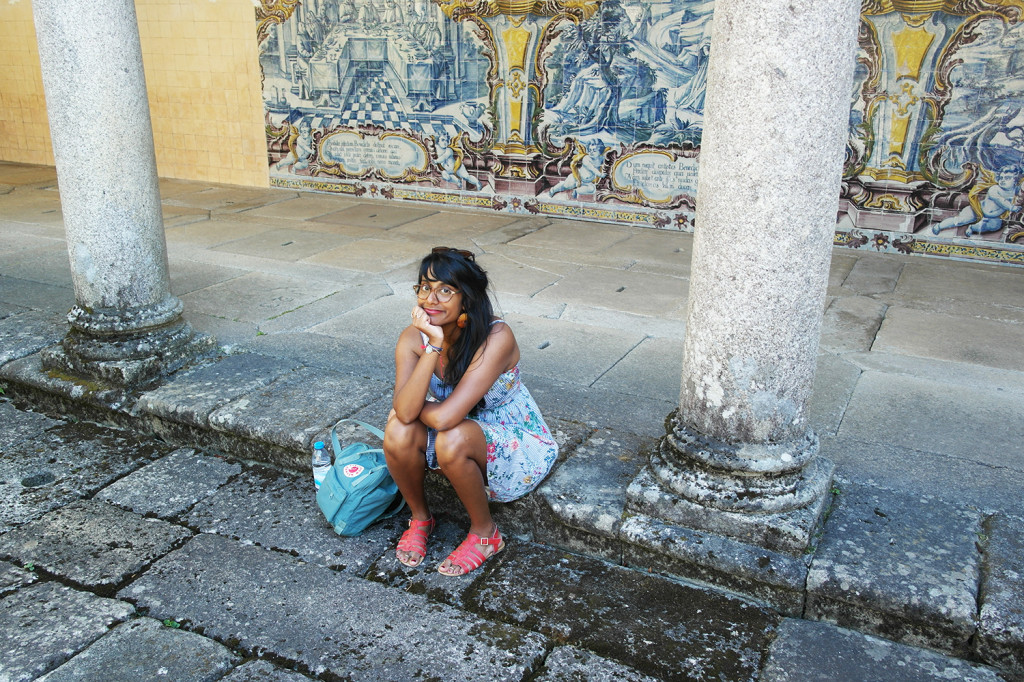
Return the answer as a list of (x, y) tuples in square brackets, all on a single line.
[(127, 558)]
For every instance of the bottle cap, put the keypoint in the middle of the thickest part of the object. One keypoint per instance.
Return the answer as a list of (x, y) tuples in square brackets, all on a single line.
[(319, 445)]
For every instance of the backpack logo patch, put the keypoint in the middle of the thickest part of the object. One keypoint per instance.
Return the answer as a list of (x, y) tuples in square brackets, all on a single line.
[(352, 470)]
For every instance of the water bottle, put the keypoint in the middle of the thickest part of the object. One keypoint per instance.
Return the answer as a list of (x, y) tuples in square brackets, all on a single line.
[(321, 462)]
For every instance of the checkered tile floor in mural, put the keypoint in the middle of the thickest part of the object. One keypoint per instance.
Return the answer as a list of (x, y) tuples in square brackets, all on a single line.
[(374, 102)]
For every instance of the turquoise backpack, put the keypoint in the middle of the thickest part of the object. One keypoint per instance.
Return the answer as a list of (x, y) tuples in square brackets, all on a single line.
[(358, 490)]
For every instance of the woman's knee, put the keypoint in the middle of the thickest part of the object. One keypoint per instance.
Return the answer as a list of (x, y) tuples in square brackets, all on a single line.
[(453, 446), (402, 440)]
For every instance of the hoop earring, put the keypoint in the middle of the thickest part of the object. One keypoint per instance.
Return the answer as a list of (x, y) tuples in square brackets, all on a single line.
[(461, 321)]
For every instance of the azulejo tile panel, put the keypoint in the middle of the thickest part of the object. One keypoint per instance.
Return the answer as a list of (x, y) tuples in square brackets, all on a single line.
[(593, 109)]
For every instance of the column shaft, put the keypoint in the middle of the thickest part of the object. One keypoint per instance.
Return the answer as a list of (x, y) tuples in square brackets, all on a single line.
[(103, 147), (777, 106)]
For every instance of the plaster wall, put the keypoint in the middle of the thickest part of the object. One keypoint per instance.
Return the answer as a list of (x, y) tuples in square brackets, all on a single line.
[(203, 78)]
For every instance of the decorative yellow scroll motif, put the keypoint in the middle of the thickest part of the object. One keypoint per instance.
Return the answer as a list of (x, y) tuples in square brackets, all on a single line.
[(272, 12), (900, 124), (516, 41), (457, 9), (886, 201), (911, 49)]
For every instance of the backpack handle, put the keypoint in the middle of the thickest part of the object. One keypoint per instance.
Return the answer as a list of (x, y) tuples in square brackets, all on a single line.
[(336, 444)]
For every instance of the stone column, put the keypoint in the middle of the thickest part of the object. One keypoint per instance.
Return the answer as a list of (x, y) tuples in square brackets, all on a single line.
[(739, 459), (126, 327)]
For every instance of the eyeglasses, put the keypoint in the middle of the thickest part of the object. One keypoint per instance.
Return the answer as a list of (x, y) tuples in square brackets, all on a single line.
[(443, 292), (468, 255)]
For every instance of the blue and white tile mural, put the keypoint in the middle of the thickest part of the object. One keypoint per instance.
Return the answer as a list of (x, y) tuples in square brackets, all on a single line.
[(594, 109)]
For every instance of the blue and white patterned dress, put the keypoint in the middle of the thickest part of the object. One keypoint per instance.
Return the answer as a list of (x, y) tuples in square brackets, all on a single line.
[(520, 447)]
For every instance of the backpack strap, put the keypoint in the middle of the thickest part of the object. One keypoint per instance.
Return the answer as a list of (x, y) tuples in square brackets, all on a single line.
[(334, 432)]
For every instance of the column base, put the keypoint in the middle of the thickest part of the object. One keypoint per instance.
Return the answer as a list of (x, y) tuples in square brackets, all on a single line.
[(771, 495), (131, 360), (787, 532)]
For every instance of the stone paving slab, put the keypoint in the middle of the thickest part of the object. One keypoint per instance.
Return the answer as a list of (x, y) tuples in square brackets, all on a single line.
[(917, 472), (227, 198), (12, 577), (286, 243), (324, 622), (835, 380), (25, 333), (306, 205), (182, 478), (205, 234), (1001, 626), (585, 498), (261, 671), (279, 511), (146, 649), (92, 544), (648, 369), (278, 295), (25, 294), (636, 292), (904, 569), (348, 298), (47, 264), (974, 423), (598, 407), (957, 373), (671, 325), (967, 339), (771, 577), (515, 277), (668, 630), (46, 624), (65, 463), (874, 274), (940, 285), (451, 228), (371, 255), (572, 237), (291, 410), (190, 396), (572, 664), (850, 324), (806, 651), (20, 425), (325, 352), (188, 276), (380, 216), (570, 352)]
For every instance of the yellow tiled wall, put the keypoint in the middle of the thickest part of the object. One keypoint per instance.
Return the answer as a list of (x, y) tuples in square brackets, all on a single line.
[(24, 129), (203, 77)]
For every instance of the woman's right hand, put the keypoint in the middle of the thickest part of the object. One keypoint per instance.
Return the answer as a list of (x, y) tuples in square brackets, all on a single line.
[(421, 321)]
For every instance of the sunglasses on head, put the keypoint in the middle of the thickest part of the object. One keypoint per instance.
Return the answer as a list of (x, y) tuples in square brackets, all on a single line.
[(468, 255)]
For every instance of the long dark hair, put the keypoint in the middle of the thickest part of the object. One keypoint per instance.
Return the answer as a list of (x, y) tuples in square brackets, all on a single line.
[(459, 268)]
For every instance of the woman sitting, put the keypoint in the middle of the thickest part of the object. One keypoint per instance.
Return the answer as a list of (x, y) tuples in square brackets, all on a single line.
[(459, 406)]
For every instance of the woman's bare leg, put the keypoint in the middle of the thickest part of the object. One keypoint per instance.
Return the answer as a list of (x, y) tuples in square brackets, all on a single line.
[(462, 455), (405, 448)]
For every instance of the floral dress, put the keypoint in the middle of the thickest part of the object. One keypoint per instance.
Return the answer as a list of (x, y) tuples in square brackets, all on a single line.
[(520, 448)]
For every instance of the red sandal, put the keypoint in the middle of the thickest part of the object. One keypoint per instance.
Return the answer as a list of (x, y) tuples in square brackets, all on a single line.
[(467, 557), (414, 541)]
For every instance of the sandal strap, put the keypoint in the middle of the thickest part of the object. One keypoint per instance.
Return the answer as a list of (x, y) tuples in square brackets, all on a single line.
[(467, 557), (414, 539)]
